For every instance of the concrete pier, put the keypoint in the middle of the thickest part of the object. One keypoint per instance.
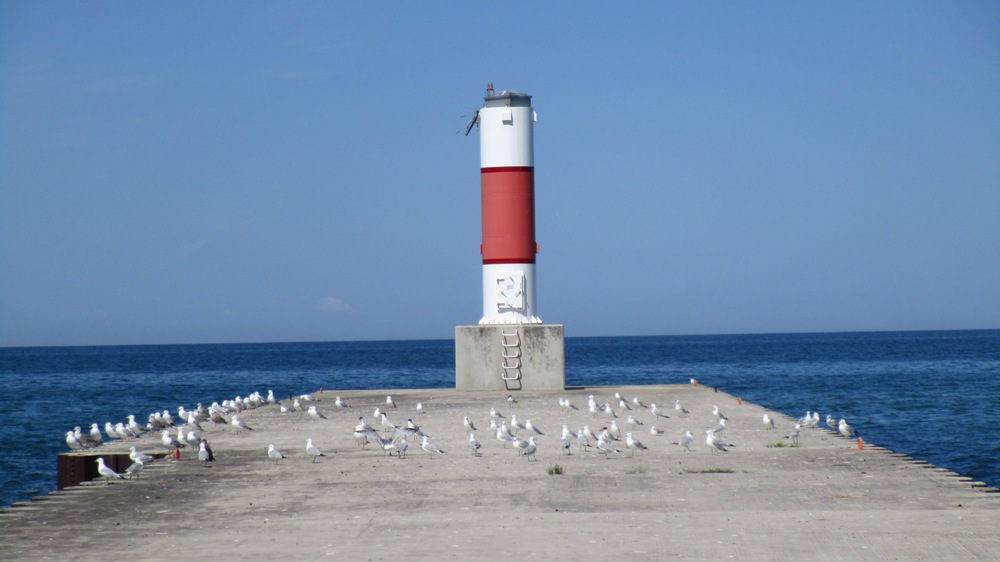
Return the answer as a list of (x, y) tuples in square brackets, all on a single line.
[(822, 500)]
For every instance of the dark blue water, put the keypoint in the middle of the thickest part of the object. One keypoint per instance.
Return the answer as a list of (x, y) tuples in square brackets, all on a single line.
[(920, 393)]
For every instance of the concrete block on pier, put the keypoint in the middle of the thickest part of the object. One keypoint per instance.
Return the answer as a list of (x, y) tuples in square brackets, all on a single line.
[(510, 357)]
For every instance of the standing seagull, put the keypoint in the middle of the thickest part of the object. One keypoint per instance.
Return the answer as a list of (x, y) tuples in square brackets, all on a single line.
[(311, 449), (205, 452), (680, 409), (274, 453), (468, 424), (845, 429), (656, 411), (389, 402), (426, 445), (633, 444), (237, 422), (530, 448), (474, 444), (768, 422), (106, 472), (718, 413), (713, 442), (341, 403), (316, 414), (794, 434), (686, 440), (134, 469)]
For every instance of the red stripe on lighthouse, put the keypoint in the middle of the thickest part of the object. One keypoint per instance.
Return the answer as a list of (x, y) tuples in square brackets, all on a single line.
[(508, 214)]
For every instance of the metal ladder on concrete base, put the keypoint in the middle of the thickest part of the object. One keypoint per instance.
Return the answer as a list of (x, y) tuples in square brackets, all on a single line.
[(511, 358)]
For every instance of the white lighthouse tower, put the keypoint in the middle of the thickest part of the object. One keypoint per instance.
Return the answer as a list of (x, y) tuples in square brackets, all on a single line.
[(510, 349), (507, 169)]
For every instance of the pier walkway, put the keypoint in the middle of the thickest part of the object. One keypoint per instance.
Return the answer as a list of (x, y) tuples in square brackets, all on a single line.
[(822, 500)]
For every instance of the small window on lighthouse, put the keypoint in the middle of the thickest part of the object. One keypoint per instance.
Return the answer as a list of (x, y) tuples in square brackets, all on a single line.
[(507, 116)]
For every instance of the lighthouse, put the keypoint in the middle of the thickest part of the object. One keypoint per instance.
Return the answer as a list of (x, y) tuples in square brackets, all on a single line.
[(510, 348), (507, 176)]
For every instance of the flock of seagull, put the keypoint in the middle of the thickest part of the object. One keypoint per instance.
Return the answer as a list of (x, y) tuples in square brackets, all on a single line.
[(612, 438)]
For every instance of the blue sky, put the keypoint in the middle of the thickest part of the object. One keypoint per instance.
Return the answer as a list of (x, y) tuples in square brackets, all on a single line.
[(190, 172)]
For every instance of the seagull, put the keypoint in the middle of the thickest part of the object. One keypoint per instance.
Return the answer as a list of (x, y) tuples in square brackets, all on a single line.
[(529, 427), (205, 452), (134, 469), (656, 411), (653, 430), (567, 433), (831, 423), (389, 402), (426, 445), (191, 420), (592, 407), (400, 446), (632, 420), (633, 444), (169, 441), (582, 441), (606, 448), (795, 433), (638, 403), (239, 424), (806, 419), (680, 409), (719, 427), (495, 414), (316, 414), (110, 430), (768, 422), (516, 424), (270, 397), (468, 424), (565, 444), (609, 411), (420, 408), (192, 438), (686, 440), (137, 456), (474, 444), (565, 403), (218, 419), (296, 405), (95, 434), (718, 413), (105, 471), (588, 434), (311, 449), (613, 429), (340, 403), (511, 400), (504, 436), (274, 453), (72, 441), (713, 442), (845, 429), (623, 405), (530, 448), (815, 420), (386, 424)]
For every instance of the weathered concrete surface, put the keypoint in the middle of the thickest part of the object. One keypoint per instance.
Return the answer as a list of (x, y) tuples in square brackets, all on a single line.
[(539, 356), (823, 500)]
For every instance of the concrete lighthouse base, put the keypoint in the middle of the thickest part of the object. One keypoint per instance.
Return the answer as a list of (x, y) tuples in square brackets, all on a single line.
[(510, 357)]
